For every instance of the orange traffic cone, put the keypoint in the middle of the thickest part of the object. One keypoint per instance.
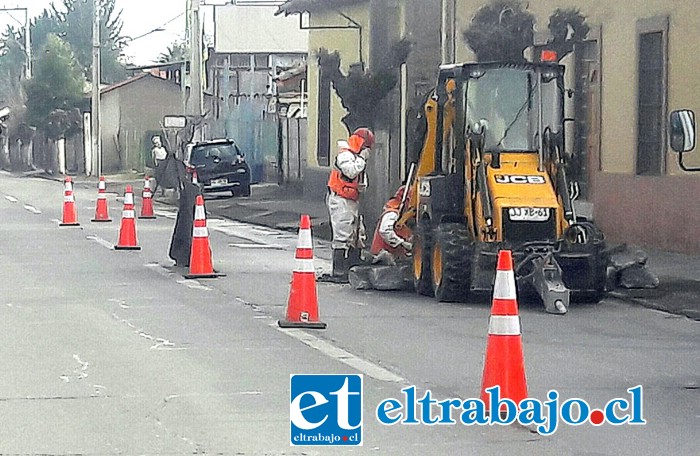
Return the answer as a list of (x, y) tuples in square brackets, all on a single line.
[(70, 213), (101, 209), (504, 364), (302, 307), (200, 253), (147, 197), (127, 230), (195, 179)]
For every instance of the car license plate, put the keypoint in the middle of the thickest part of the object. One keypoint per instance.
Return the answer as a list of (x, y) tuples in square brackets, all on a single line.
[(528, 214), (219, 182)]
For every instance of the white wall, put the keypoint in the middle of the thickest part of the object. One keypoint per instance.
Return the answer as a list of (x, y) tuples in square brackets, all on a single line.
[(256, 29)]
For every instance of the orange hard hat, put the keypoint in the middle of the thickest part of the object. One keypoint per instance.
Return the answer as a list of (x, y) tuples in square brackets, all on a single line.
[(366, 135)]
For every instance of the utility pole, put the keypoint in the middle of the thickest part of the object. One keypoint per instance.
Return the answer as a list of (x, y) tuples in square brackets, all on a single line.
[(27, 39), (96, 76), (448, 31), (27, 44), (195, 40)]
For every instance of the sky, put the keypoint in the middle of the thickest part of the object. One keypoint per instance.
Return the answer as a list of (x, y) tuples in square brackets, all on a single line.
[(139, 16)]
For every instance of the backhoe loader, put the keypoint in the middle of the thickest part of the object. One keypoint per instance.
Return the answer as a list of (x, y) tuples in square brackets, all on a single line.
[(492, 175)]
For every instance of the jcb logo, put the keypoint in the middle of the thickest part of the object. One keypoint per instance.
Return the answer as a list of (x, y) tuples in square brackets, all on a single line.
[(514, 179)]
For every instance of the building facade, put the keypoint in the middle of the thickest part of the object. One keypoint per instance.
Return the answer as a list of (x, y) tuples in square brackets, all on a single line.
[(361, 32), (132, 112), (635, 67), (252, 47)]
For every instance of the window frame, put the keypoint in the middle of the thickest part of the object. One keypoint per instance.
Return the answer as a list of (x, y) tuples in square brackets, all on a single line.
[(658, 24)]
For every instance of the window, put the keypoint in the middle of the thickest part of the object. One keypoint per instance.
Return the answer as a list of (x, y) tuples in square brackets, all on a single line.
[(651, 98), (240, 61), (261, 61)]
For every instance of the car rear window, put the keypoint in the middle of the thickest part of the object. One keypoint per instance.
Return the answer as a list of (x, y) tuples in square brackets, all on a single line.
[(208, 153)]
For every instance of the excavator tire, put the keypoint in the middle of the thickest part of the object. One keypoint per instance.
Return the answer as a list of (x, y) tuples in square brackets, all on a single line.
[(422, 242), (451, 263)]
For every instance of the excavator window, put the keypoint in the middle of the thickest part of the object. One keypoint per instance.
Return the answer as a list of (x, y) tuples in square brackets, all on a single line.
[(503, 104)]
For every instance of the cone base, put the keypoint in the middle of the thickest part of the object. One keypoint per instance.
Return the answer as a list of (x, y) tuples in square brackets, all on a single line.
[(301, 324), (69, 224), (213, 275), (147, 216), (127, 247), (100, 220)]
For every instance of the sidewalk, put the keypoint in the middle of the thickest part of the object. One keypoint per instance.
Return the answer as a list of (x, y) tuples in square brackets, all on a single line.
[(280, 207)]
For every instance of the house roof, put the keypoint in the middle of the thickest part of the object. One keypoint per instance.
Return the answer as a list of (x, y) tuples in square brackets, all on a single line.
[(123, 83), (164, 66), (303, 6), (132, 80)]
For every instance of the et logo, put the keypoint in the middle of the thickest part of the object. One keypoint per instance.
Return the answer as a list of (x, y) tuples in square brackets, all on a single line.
[(325, 410)]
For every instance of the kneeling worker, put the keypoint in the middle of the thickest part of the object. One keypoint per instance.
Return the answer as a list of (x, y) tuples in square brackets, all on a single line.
[(391, 242)]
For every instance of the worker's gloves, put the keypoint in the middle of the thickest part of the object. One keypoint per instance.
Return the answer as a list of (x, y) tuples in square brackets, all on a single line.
[(407, 245), (364, 153)]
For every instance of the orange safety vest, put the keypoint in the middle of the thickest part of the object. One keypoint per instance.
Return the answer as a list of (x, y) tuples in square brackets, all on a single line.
[(378, 242), (342, 185)]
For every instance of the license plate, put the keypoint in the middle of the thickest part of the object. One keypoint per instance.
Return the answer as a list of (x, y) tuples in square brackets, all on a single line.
[(219, 182), (528, 214)]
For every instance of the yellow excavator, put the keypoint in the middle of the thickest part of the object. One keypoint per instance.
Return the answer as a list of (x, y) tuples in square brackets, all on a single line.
[(492, 175)]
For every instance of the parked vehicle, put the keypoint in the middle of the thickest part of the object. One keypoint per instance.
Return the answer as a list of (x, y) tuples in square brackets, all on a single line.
[(220, 167)]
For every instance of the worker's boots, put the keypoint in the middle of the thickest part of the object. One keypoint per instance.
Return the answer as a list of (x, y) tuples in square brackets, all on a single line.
[(341, 266), (354, 257)]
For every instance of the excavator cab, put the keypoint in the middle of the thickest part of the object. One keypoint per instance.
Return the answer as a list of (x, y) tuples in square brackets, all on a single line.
[(491, 176)]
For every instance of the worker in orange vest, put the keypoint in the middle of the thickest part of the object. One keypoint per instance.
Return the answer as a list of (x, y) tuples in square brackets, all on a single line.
[(391, 243), (346, 182)]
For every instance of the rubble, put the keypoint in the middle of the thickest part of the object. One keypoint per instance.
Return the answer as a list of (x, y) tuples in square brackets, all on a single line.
[(627, 269), (379, 277)]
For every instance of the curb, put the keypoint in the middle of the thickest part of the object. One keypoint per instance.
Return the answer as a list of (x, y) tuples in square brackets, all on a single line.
[(693, 314)]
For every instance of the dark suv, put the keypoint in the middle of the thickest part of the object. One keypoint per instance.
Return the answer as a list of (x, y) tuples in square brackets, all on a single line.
[(220, 166)]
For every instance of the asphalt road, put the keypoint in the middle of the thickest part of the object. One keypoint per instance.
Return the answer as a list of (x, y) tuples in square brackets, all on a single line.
[(108, 352)]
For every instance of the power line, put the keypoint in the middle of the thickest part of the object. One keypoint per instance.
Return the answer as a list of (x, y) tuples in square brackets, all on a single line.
[(157, 29)]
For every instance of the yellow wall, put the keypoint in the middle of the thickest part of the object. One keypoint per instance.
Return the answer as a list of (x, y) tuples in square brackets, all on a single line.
[(346, 41), (618, 21)]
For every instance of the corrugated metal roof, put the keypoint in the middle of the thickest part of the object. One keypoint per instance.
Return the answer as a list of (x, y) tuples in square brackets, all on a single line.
[(303, 6)]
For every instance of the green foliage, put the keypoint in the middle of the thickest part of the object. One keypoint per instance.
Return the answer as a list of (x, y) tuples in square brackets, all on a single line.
[(72, 22), (57, 84), (501, 31), (361, 90), (176, 52), (12, 64)]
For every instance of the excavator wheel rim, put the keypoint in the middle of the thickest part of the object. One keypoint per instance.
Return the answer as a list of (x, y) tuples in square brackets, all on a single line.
[(437, 265), (417, 260)]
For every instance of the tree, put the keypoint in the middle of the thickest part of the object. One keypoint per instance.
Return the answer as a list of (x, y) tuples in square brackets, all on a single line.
[(361, 90), (503, 29), (12, 65), (57, 84), (566, 27), (72, 22), (176, 52)]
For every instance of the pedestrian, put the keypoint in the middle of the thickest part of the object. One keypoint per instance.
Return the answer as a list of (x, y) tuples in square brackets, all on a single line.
[(181, 241), (347, 180), (391, 243), (159, 155)]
